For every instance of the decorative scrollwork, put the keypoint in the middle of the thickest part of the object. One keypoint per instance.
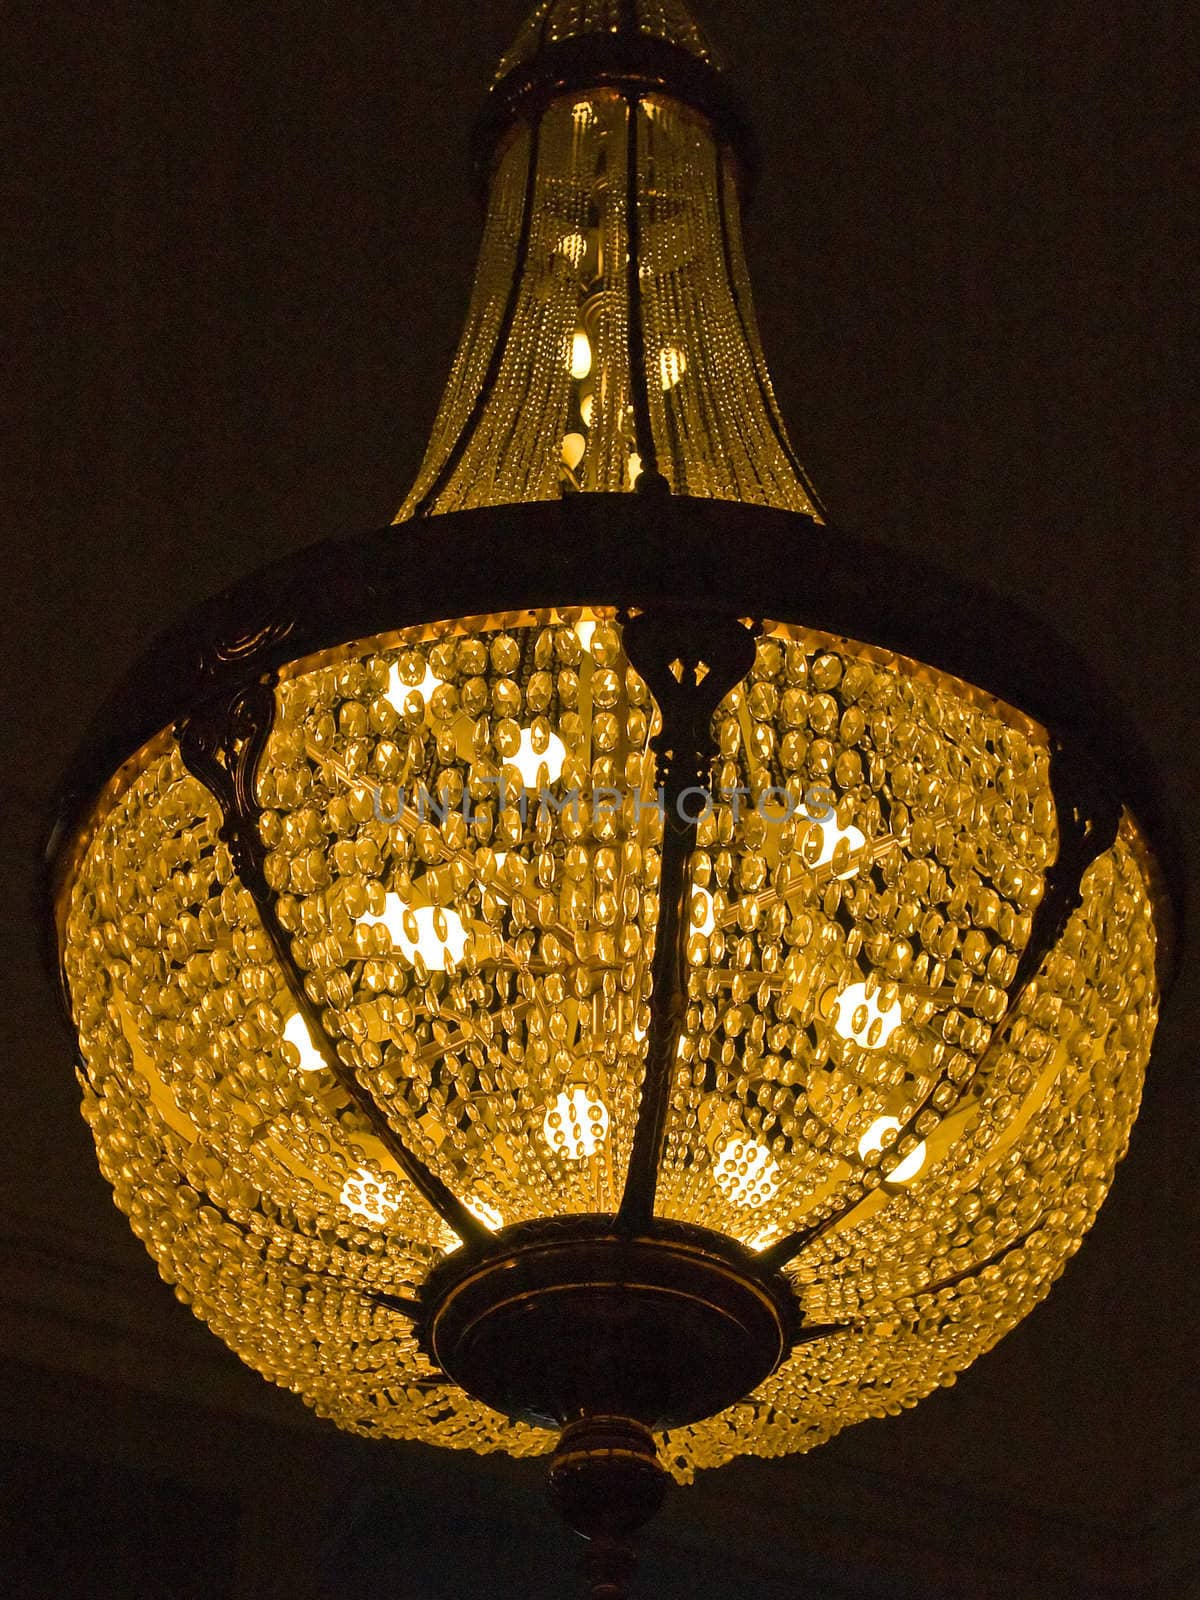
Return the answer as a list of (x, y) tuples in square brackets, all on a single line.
[(222, 744), (248, 645)]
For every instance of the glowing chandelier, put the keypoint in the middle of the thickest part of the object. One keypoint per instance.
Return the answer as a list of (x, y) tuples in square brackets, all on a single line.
[(604, 966)]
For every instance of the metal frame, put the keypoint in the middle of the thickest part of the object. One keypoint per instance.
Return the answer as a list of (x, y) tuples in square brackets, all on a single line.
[(568, 1315), (633, 64), (645, 551)]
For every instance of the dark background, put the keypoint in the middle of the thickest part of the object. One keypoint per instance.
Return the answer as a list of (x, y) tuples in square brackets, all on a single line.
[(240, 246)]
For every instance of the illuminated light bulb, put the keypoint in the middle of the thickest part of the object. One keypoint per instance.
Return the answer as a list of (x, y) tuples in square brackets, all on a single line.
[(745, 1172), (297, 1035), (704, 920), (831, 837), (873, 1139), (587, 409), (482, 1212), (433, 949), (538, 766), (397, 691), (576, 1125), (581, 355), (672, 365), (366, 1196), (574, 445), (861, 1020), (635, 468), (585, 632), (909, 1167), (574, 247), (493, 873)]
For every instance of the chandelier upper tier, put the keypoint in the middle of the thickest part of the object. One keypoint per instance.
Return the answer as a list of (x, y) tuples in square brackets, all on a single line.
[(611, 946)]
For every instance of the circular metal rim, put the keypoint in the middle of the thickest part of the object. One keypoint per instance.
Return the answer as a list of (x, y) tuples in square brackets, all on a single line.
[(629, 551), (537, 1263), (634, 64)]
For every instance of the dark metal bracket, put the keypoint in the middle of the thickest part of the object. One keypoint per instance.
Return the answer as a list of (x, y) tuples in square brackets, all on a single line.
[(630, 550), (689, 663)]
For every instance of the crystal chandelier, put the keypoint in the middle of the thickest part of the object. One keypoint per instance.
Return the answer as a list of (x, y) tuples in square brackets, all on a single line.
[(610, 966)]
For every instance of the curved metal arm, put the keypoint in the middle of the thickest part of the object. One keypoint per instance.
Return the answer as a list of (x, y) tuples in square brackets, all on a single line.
[(1088, 820), (221, 745)]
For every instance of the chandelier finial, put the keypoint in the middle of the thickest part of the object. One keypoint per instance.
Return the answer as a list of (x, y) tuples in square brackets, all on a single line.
[(607, 1481)]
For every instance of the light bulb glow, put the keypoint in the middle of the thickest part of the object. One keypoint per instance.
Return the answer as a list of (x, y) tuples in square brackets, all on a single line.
[(860, 1019), (873, 1139), (765, 1239), (672, 366), (704, 920), (581, 355), (576, 1124), (538, 767), (438, 935), (297, 1035), (482, 1212), (831, 836), (574, 247), (398, 691), (574, 446)]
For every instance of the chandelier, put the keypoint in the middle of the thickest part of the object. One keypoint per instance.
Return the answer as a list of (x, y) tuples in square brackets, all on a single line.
[(610, 966)]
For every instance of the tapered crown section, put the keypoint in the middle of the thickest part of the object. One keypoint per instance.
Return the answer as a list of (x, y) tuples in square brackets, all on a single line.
[(611, 342)]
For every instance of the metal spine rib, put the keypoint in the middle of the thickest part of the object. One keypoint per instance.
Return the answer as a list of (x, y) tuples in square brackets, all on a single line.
[(202, 740), (657, 645), (668, 999), (1087, 823), (638, 385)]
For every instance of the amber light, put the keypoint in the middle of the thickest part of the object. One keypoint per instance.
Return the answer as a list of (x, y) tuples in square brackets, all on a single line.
[(861, 1070)]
